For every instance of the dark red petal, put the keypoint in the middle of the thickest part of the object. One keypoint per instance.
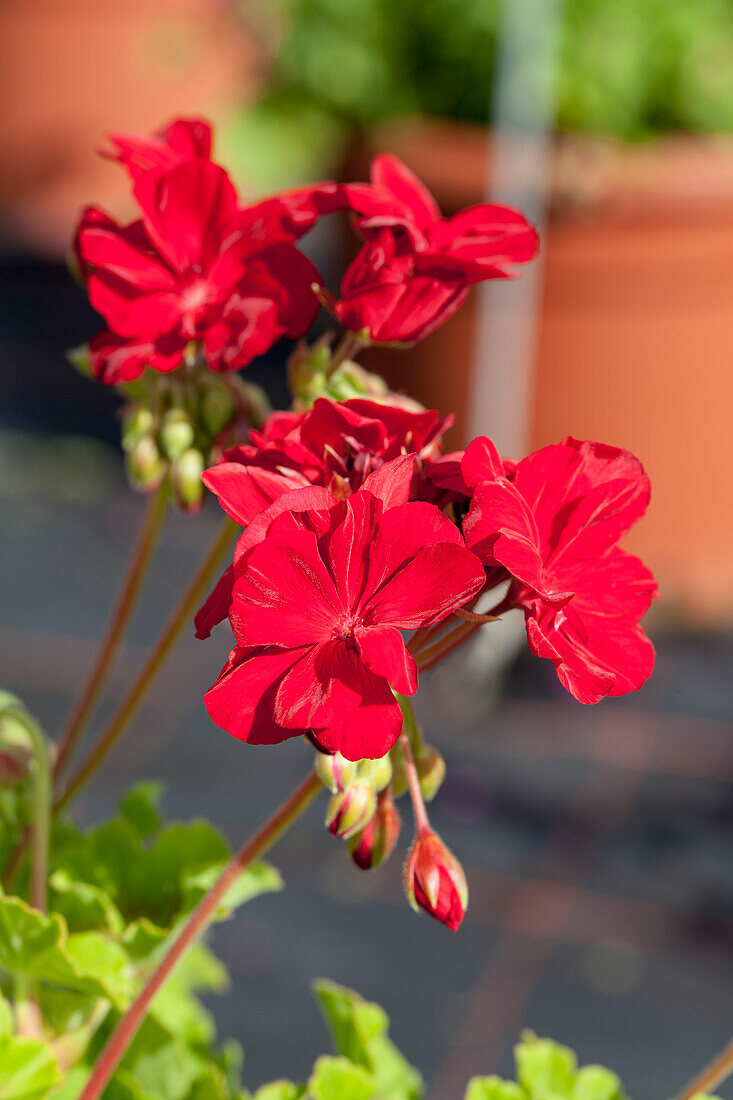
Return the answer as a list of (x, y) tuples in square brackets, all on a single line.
[(216, 607), (312, 498), (392, 481), (130, 313)]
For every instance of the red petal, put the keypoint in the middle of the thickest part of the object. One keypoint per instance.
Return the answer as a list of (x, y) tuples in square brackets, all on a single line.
[(185, 211), (392, 481), (389, 172), (328, 681), (245, 491), (403, 532), (435, 582), (383, 649), (242, 699), (368, 732), (500, 528), (286, 595), (481, 462), (216, 607)]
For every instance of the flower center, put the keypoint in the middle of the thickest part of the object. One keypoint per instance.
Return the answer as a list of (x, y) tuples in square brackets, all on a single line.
[(346, 628)]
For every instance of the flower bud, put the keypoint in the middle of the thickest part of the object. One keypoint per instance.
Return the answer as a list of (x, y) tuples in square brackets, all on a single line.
[(257, 405), (430, 767), (349, 811), (137, 422), (335, 771), (16, 747), (377, 772), (186, 482), (377, 841), (217, 406), (435, 882), (399, 774), (176, 433), (146, 467)]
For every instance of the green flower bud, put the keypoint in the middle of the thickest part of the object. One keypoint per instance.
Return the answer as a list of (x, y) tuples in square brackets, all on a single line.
[(349, 811), (335, 772), (186, 482), (217, 406), (176, 433), (146, 467), (138, 421), (377, 772), (431, 771), (79, 359)]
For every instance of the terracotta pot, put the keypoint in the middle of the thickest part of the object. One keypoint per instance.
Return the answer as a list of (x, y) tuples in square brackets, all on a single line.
[(73, 71), (635, 333)]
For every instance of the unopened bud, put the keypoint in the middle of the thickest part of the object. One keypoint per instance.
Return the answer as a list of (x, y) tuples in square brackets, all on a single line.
[(377, 772), (186, 482), (435, 882), (430, 767), (217, 406), (137, 422), (16, 747), (335, 771), (257, 405), (176, 433), (79, 359), (146, 467), (349, 811), (377, 841)]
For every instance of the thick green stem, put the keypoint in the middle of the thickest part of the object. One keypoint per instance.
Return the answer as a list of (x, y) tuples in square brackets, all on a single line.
[(147, 539), (180, 618), (196, 924), (714, 1074)]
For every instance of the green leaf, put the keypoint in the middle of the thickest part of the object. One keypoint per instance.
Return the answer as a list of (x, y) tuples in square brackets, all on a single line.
[(545, 1069), (597, 1083), (493, 1088), (177, 1009), (359, 1031), (160, 1065), (28, 1069), (97, 956), (340, 1079), (140, 807), (6, 1018), (259, 878), (142, 938), (280, 1090), (39, 947), (83, 907)]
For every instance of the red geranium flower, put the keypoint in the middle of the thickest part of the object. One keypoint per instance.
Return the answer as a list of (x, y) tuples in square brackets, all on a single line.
[(317, 609), (336, 445), (416, 267), (189, 270), (555, 527)]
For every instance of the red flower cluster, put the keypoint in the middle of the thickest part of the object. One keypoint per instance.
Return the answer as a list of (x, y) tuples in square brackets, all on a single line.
[(318, 603), (193, 267), (416, 267), (334, 445), (553, 522), (334, 562), (198, 267)]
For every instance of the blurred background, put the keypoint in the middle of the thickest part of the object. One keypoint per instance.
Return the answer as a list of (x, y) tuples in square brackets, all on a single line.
[(597, 840)]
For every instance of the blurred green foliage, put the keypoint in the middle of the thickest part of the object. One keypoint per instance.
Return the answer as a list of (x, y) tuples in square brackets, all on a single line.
[(629, 69)]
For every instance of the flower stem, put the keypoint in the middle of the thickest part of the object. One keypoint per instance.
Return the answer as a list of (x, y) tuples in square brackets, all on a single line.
[(180, 617), (197, 923), (349, 345), (409, 731), (713, 1075), (118, 622), (41, 802)]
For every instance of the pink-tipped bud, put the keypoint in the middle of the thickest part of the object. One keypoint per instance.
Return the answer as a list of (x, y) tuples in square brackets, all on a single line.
[(335, 771), (350, 811), (377, 841), (435, 882)]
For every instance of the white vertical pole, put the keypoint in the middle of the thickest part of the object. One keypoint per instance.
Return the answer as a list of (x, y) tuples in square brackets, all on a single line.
[(500, 394)]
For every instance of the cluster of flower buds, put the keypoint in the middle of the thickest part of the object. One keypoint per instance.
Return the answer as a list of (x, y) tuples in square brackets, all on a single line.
[(361, 809), (174, 426)]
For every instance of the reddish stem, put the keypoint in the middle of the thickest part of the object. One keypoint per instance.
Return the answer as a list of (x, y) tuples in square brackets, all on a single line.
[(118, 622), (197, 923), (713, 1075)]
